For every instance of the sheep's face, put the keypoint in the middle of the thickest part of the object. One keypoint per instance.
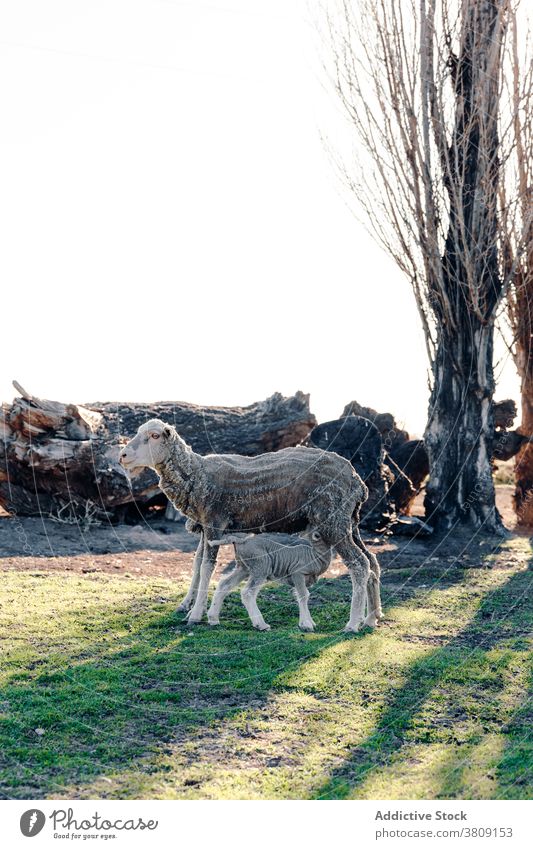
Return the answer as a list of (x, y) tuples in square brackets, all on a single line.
[(311, 534), (147, 448), (316, 540)]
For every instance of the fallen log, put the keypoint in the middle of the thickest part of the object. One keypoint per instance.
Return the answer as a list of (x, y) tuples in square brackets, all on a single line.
[(504, 413), (412, 459), (60, 460), (403, 478), (391, 434), (508, 443), (359, 441)]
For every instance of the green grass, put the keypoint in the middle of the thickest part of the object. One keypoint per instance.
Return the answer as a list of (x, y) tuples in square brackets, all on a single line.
[(105, 693)]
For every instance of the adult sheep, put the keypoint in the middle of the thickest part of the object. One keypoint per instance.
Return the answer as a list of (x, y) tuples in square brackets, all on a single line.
[(281, 491)]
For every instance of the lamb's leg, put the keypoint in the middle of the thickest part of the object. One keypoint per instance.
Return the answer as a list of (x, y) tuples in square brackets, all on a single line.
[(225, 586), (359, 568), (374, 611), (302, 596), (207, 566), (249, 595), (189, 599)]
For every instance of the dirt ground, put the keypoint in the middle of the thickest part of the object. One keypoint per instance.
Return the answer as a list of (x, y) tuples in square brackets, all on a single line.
[(165, 549)]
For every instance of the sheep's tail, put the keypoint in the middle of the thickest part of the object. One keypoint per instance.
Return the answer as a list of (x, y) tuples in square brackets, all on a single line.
[(230, 538)]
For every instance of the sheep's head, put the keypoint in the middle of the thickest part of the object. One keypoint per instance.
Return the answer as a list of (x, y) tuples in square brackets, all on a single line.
[(149, 446), (311, 534), (315, 538)]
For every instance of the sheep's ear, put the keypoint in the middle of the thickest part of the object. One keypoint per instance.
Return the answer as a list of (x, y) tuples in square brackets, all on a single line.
[(166, 432)]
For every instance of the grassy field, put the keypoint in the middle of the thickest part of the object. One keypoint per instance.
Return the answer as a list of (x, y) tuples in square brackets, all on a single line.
[(105, 693)]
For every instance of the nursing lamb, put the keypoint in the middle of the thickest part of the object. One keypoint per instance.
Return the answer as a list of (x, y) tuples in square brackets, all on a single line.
[(296, 560), (285, 490)]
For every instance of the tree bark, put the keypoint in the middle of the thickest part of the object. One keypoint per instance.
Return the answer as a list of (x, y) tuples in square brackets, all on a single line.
[(460, 432), (523, 495), (521, 316)]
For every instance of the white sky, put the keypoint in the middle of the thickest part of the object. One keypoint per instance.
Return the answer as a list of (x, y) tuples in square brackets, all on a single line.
[(171, 226)]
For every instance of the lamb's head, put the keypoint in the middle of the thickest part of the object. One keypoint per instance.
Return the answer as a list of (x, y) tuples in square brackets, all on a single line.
[(317, 541), (149, 447), (311, 534)]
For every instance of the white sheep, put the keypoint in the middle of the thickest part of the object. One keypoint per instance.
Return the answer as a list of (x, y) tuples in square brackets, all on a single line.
[(291, 559), (282, 491)]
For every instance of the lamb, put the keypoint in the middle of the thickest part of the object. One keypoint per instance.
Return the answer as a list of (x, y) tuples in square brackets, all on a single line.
[(295, 560), (286, 490)]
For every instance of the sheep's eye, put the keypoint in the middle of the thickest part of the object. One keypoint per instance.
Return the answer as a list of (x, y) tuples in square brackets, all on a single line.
[(155, 435)]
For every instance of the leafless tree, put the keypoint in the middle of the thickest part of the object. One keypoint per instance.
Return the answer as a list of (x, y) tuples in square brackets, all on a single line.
[(516, 224), (422, 83)]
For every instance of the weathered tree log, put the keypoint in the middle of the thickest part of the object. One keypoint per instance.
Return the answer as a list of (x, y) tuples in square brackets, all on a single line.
[(512, 443), (412, 459), (278, 422), (402, 489), (508, 443), (523, 495), (391, 434), (358, 440), (504, 413), (61, 459)]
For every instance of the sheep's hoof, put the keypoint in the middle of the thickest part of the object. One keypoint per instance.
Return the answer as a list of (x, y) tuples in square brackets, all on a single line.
[(213, 621), (194, 621), (184, 607), (353, 629), (262, 626), (371, 621), (308, 627)]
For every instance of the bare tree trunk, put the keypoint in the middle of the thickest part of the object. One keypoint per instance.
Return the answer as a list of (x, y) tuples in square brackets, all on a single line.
[(517, 244), (523, 496), (460, 425), (459, 434), (523, 323)]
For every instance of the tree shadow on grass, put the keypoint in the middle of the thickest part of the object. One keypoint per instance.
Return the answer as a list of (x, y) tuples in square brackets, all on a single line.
[(122, 684), (515, 767), (130, 684), (467, 677)]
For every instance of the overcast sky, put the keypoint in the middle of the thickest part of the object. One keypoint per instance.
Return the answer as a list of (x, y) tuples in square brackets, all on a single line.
[(172, 228)]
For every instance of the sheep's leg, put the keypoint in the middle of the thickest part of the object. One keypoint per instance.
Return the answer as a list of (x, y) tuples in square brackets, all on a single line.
[(207, 566), (302, 597), (374, 610), (225, 586), (359, 568), (249, 595), (189, 599)]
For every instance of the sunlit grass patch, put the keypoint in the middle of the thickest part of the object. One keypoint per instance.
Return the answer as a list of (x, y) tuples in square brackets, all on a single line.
[(106, 692)]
